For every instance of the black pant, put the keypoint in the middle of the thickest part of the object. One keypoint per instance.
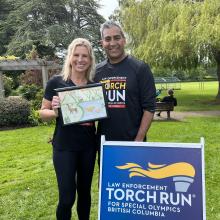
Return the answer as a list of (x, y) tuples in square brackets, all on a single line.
[(74, 171)]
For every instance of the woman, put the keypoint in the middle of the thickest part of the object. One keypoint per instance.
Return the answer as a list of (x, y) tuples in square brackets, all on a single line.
[(73, 145)]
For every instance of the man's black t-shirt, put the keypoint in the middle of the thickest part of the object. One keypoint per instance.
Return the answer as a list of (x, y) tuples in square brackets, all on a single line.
[(72, 137), (130, 89)]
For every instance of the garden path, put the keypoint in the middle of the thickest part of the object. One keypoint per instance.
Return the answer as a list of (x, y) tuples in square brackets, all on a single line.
[(181, 115)]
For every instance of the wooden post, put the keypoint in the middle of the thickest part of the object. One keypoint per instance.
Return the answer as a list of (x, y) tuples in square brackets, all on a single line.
[(44, 75), (2, 91), (168, 114)]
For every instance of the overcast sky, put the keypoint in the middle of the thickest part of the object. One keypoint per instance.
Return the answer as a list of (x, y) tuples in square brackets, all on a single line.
[(108, 7)]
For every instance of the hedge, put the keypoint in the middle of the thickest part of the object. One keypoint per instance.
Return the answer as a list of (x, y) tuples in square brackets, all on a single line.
[(14, 111)]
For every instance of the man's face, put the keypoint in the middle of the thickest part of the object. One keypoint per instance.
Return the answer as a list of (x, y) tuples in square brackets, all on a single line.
[(113, 43)]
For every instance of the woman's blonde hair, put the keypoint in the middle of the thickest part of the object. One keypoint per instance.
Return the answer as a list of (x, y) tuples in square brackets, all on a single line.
[(67, 68)]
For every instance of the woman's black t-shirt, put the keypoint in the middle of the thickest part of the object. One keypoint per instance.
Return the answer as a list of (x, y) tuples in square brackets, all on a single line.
[(73, 137)]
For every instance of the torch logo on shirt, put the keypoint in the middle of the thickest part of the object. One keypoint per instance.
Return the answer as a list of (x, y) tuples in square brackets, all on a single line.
[(115, 88), (183, 173)]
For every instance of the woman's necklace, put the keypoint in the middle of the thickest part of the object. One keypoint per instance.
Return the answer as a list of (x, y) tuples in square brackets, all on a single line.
[(80, 82), (83, 83)]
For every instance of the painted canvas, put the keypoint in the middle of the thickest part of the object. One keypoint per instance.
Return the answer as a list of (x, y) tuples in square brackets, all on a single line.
[(82, 104)]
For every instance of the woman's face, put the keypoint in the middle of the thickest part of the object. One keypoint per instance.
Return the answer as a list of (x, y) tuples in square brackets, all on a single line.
[(80, 60)]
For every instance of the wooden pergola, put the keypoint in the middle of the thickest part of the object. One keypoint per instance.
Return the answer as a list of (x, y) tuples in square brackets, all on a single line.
[(39, 64)]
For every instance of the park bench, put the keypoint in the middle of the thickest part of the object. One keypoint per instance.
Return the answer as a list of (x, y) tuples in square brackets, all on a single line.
[(165, 106)]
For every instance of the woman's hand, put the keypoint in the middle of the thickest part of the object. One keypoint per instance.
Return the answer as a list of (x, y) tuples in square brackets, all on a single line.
[(55, 104), (49, 109)]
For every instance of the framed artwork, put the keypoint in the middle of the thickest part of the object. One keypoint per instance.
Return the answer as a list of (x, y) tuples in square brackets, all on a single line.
[(79, 104)]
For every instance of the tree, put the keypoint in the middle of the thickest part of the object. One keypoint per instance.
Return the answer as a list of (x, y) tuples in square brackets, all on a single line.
[(5, 30), (174, 33), (51, 25)]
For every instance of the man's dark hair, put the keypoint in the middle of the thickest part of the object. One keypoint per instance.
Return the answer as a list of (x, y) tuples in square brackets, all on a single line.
[(109, 24)]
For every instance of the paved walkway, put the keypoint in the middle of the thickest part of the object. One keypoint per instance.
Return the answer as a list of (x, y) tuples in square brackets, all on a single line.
[(181, 115)]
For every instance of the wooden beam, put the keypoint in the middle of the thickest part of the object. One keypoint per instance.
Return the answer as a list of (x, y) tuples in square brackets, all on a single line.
[(44, 76), (2, 91), (39, 64), (27, 64)]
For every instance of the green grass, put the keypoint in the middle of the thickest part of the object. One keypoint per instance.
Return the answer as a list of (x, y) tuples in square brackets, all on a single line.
[(26, 177), (192, 98), (28, 188), (190, 131), (27, 180)]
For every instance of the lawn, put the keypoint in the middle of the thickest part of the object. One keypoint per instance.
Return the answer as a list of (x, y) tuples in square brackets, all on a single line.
[(194, 97), (27, 181)]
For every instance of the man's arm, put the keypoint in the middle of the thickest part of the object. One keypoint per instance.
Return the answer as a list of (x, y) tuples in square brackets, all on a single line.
[(145, 125)]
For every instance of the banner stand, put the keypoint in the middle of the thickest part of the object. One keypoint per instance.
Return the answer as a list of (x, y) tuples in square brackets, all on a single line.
[(152, 180)]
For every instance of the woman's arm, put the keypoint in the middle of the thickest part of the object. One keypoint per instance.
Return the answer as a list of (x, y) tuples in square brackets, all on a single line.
[(49, 109)]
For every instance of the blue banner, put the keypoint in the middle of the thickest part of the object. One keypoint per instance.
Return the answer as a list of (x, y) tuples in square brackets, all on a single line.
[(140, 181)]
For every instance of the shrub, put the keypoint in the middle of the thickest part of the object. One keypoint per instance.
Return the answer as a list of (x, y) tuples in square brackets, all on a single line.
[(14, 75), (28, 91), (14, 111), (8, 84), (35, 120), (36, 102), (31, 77)]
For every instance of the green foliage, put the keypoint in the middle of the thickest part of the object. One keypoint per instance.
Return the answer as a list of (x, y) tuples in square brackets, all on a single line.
[(35, 120), (10, 57), (194, 74), (180, 35), (14, 75), (14, 111), (172, 33), (207, 28), (36, 102), (31, 77), (8, 85), (50, 27), (28, 92), (5, 29)]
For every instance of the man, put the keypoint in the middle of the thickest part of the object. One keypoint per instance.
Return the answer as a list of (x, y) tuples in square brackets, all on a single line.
[(129, 87), (170, 98)]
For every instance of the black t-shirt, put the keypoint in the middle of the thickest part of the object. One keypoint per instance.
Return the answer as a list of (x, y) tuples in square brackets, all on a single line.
[(170, 99), (130, 89), (72, 137)]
